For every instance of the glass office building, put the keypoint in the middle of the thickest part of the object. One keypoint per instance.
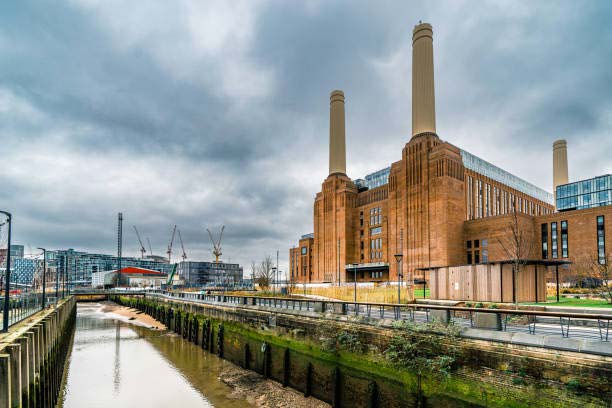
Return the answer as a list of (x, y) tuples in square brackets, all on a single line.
[(582, 194), (79, 266)]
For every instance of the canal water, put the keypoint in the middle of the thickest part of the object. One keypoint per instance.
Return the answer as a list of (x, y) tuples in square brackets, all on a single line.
[(117, 364)]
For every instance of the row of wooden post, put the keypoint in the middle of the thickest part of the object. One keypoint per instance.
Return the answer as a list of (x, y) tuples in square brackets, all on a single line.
[(189, 327)]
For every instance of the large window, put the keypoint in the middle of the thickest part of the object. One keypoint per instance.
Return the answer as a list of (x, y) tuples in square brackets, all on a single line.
[(564, 248), (477, 251), (553, 240), (375, 231), (479, 199), (304, 250), (470, 199), (601, 240), (544, 241), (375, 216), (485, 251), (487, 200), (376, 248)]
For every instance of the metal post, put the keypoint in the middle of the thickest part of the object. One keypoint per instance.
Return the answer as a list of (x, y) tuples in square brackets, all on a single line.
[(398, 258), (119, 246), (277, 266), (57, 280), (7, 276), (355, 279), (557, 280), (64, 280), (44, 288), (399, 283)]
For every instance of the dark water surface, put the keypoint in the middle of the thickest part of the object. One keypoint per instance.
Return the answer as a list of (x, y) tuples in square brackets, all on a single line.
[(118, 364)]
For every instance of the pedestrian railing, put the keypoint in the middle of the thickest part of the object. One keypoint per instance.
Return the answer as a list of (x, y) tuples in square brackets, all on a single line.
[(21, 306), (585, 325)]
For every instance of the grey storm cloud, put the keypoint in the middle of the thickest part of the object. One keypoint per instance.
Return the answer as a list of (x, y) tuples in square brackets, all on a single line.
[(207, 113)]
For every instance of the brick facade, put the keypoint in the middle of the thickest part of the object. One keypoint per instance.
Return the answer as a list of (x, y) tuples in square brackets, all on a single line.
[(427, 210), (438, 200)]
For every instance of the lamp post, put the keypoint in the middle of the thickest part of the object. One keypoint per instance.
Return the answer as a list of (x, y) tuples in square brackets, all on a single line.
[(57, 282), (355, 281), (273, 283), (398, 259), (44, 288), (7, 275), (64, 275)]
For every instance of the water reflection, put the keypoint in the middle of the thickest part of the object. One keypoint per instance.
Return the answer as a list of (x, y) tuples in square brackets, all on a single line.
[(116, 370), (117, 364)]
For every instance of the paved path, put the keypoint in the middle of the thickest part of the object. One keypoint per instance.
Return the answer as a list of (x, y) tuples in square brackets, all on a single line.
[(555, 333)]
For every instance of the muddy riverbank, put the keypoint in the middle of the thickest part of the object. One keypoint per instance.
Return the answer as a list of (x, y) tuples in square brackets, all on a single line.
[(123, 358)]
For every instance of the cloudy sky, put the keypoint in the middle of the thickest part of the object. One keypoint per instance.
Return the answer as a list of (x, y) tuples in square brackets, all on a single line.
[(202, 113)]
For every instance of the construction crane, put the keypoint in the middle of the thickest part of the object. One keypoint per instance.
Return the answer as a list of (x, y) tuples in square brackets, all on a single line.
[(150, 250), (184, 256), (216, 244), (169, 251), (142, 248), (171, 276)]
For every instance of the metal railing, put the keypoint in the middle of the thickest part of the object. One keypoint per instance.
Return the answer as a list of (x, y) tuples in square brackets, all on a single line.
[(22, 306), (583, 325)]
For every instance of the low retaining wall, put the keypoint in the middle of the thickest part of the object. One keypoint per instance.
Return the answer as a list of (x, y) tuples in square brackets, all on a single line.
[(280, 346), (32, 357)]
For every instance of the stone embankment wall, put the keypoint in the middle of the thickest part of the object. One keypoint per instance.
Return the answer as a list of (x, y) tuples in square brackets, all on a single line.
[(33, 355), (285, 347)]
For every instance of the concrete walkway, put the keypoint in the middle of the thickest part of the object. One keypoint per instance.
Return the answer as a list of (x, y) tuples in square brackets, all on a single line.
[(542, 334)]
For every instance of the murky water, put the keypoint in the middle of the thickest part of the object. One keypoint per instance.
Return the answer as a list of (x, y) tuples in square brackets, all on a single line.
[(117, 364)]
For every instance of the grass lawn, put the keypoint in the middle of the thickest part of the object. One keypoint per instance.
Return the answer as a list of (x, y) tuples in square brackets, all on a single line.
[(418, 293), (377, 294), (571, 302)]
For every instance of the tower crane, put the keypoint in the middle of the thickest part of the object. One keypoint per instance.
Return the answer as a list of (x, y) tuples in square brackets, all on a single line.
[(184, 256), (142, 248), (216, 244), (169, 251), (150, 250)]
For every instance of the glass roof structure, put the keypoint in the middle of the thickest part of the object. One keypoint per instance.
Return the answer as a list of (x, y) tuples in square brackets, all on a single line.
[(476, 164), (493, 172)]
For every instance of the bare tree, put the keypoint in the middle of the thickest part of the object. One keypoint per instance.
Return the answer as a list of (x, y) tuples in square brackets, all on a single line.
[(599, 273), (264, 274), (253, 272), (292, 282), (518, 246)]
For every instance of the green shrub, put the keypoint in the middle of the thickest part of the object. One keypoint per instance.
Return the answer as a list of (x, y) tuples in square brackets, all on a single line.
[(574, 385)]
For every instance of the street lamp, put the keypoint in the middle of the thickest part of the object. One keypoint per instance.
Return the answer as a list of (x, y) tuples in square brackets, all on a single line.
[(44, 292), (273, 283), (7, 275), (355, 281), (398, 259), (57, 283)]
